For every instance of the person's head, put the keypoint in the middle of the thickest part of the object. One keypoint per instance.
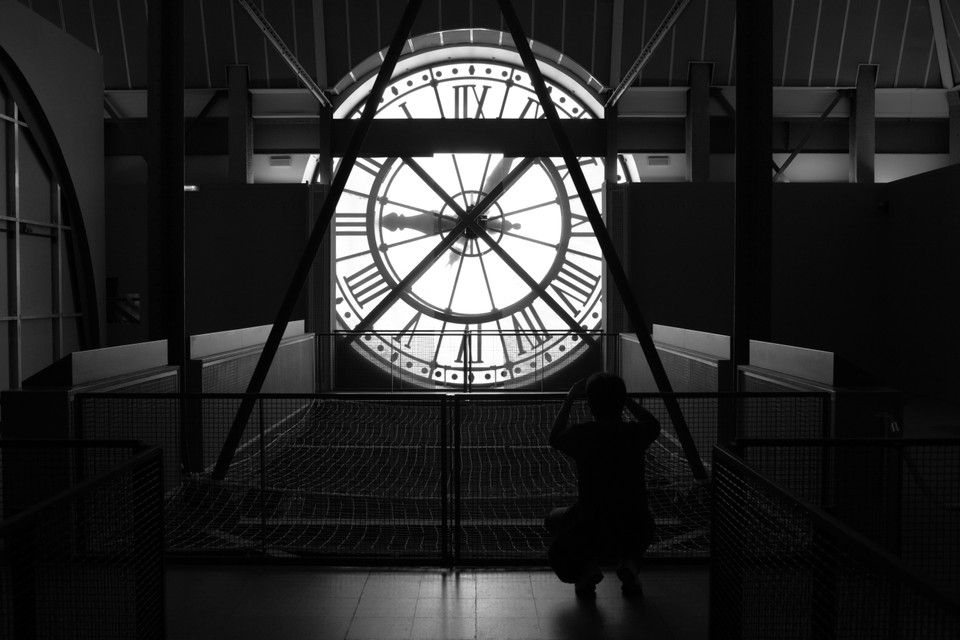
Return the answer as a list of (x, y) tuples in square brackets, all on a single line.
[(606, 393)]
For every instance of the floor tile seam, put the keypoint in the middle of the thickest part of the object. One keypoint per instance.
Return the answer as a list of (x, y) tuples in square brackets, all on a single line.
[(353, 615)]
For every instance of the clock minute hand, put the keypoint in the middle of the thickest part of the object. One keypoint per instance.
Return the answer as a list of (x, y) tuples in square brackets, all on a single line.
[(497, 174), (494, 193)]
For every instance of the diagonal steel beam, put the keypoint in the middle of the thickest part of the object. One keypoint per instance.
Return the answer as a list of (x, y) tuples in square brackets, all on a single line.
[(806, 138), (670, 19), (616, 40), (606, 244), (940, 40), (271, 34), (313, 242)]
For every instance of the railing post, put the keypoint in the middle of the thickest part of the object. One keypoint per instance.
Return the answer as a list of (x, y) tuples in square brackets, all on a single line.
[(444, 489), (263, 481), (457, 497)]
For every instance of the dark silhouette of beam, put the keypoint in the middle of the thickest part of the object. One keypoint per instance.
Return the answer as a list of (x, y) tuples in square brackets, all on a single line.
[(753, 197), (606, 244), (314, 241)]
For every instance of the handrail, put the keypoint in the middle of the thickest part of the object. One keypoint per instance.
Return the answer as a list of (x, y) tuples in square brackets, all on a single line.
[(843, 442), (86, 486), (843, 535)]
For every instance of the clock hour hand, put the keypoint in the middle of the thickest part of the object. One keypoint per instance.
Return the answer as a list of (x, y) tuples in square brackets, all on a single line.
[(500, 224), (425, 223)]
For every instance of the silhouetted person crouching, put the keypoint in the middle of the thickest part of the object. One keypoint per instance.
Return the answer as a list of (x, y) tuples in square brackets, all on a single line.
[(610, 521)]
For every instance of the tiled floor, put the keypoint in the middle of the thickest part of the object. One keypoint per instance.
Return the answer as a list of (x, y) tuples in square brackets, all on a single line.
[(280, 603)]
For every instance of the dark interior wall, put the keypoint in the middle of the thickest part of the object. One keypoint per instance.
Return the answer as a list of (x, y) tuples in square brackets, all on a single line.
[(679, 257), (830, 273), (127, 256), (830, 270), (67, 78), (926, 278), (243, 246)]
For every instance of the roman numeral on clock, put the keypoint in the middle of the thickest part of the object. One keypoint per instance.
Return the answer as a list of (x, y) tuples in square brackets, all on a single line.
[(529, 330), (367, 284), (471, 346), (537, 111), (468, 102), (409, 330), (350, 224), (574, 285)]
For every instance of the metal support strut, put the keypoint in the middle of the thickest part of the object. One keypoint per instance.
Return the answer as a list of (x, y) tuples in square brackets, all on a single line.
[(606, 244), (315, 239)]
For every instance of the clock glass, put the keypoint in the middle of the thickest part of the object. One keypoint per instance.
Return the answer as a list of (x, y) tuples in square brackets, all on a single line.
[(469, 268)]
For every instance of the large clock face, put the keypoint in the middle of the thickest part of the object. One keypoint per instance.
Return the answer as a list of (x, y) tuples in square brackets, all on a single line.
[(468, 268)]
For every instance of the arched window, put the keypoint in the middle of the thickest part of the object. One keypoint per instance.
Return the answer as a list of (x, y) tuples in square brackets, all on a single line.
[(40, 319)]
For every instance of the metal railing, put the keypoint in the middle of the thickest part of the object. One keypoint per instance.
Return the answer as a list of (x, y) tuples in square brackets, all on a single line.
[(81, 548), (523, 360), (903, 494), (395, 477), (782, 567)]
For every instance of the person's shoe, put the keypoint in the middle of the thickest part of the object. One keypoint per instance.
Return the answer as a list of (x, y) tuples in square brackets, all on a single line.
[(629, 582), (585, 591), (586, 586)]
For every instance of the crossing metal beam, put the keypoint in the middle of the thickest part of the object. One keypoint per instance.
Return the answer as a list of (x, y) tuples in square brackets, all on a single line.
[(314, 241), (614, 265)]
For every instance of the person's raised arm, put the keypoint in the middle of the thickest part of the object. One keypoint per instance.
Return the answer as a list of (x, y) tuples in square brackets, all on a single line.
[(649, 424), (563, 416)]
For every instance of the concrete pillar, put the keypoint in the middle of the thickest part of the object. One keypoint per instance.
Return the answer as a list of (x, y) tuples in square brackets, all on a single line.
[(698, 121), (754, 178), (863, 129), (953, 102), (240, 125), (166, 308)]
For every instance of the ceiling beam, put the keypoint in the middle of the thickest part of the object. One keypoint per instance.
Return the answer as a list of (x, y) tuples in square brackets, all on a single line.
[(271, 34), (806, 138), (940, 39), (637, 102), (645, 54)]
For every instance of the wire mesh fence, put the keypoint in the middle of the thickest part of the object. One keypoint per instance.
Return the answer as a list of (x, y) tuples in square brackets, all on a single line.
[(85, 559), (523, 360), (463, 477), (903, 494), (781, 568)]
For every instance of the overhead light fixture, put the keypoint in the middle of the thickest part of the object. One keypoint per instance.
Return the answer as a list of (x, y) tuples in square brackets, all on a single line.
[(658, 161), (281, 161), (191, 187)]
